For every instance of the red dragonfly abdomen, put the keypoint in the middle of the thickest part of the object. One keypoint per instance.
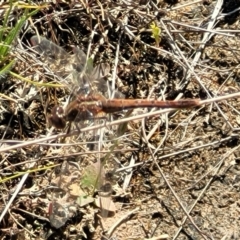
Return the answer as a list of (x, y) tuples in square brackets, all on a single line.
[(114, 105)]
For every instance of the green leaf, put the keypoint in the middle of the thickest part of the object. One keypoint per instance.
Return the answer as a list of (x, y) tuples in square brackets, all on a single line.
[(11, 36), (156, 32), (4, 71)]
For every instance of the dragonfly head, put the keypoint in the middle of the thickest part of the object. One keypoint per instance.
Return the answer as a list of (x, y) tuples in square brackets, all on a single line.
[(56, 118)]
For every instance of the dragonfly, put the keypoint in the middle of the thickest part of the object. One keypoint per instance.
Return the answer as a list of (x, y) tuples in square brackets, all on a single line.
[(88, 102)]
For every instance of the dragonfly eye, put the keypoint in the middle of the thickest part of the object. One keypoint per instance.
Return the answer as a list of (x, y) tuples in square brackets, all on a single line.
[(56, 118)]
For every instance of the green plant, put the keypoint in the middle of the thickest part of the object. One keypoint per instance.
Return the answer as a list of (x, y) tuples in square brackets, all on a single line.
[(8, 35), (156, 33)]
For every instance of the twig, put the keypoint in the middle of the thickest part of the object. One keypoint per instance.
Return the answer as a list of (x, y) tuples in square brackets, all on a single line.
[(18, 189), (125, 217)]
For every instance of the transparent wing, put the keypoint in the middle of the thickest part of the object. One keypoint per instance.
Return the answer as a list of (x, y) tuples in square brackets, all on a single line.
[(100, 71), (97, 74), (56, 57), (91, 78), (64, 65), (80, 59), (80, 75)]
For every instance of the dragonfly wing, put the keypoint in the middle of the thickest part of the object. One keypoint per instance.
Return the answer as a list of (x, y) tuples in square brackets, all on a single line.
[(97, 75), (58, 215), (80, 59), (100, 71), (59, 212), (58, 59), (81, 75)]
